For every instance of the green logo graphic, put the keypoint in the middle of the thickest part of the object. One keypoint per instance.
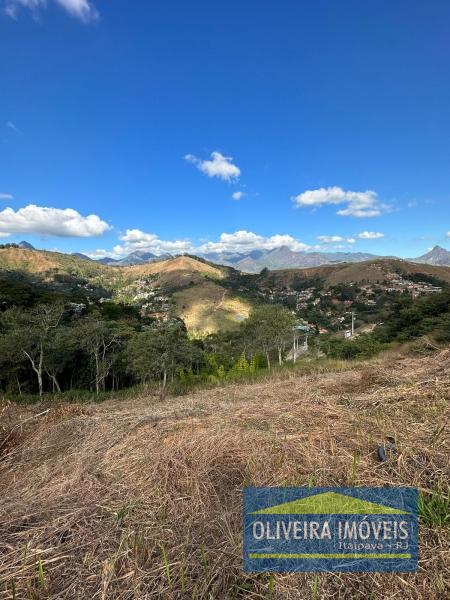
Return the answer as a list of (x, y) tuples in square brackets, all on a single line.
[(329, 503)]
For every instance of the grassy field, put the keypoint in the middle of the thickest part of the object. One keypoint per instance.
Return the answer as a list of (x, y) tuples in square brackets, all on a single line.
[(208, 308), (140, 498)]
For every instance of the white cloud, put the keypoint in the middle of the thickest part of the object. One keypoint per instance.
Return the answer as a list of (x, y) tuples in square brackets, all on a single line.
[(10, 125), (358, 204), (135, 239), (10, 10), (99, 253), (81, 9), (6, 197), (239, 241), (84, 10), (50, 221), (334, 239), (370, 235), (448, 234), (220, 166), (12, 7), (246, 241), (238, 195)]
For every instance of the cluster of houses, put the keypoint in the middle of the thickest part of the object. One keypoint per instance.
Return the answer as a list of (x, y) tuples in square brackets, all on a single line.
[(338, 311), (396, 283), (153, 301), (300, 298), (156, 305)]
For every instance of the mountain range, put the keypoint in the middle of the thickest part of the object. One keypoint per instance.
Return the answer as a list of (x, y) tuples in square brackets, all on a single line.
[(436, 256), (138, 257), (277, 258), (283, 258), (207, 296)]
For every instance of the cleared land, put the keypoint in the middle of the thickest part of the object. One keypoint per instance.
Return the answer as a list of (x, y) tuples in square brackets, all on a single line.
[(208, 308), (141, 498), (26, 260)]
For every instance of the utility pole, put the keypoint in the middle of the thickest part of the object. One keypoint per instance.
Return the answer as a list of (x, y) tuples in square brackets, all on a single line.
[(353, 323), (294, 348)]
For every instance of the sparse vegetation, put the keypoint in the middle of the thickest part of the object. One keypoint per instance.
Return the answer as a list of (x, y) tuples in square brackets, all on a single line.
[(434, 507), (142, 498)]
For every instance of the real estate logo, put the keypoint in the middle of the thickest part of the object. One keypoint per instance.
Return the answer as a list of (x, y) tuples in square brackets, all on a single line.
[(330, 529)]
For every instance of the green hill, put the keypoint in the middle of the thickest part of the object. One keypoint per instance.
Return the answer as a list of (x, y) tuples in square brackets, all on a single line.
[(193, 287)]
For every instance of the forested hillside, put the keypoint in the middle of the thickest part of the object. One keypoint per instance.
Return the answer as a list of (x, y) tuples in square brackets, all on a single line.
[(70, 326)]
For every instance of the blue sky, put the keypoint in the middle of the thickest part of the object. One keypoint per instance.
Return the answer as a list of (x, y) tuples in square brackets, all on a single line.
[(131, 125)]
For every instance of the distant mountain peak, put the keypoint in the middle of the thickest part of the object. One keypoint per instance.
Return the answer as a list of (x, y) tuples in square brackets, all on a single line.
[(436, 256), (138, 257), (283, 257), (26, 245), (283, 249), (142, 254), (80, 255)]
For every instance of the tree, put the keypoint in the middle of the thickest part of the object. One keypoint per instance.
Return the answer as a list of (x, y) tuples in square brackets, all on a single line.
[(29, 334), (410, 318), (101, 341), (269, 327), (159, 351), (61, 353), (227, 346), (284, 324)]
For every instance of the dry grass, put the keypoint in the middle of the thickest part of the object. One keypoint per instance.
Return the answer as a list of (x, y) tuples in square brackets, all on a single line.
[(172, 269), (375, 270), (208, 308), (368, 271), (142, 499), (26, 260), (174, 273)]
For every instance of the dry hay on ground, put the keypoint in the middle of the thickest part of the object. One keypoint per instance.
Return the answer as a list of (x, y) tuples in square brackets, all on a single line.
[(142, 499), (208, 308)]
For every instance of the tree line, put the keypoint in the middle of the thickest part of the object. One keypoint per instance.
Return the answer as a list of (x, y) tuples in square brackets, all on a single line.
[(56, 347), (48, 344)]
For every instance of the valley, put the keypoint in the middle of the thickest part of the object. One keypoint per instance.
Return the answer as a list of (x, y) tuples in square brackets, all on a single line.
[(211, 297)]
